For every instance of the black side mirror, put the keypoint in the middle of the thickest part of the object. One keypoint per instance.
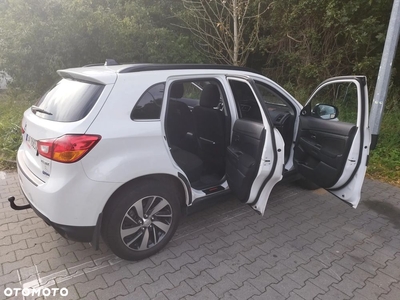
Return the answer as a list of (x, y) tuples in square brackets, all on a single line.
[(325, 111)]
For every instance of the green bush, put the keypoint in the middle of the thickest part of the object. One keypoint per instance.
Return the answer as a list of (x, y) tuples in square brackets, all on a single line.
[(12, 107)]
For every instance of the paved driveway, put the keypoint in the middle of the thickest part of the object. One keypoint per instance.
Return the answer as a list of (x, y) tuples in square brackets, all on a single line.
[(309, 245)]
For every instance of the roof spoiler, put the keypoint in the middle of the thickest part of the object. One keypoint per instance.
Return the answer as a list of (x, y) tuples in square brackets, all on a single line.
[(108, 62)]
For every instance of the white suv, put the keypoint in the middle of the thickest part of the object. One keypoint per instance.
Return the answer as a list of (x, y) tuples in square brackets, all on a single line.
[(123, 151)]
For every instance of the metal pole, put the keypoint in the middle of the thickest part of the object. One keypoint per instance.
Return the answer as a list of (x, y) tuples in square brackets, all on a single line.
[(385, 69)]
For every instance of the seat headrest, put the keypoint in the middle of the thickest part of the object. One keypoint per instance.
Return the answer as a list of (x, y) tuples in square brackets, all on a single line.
[(177, 90), (210, 96)]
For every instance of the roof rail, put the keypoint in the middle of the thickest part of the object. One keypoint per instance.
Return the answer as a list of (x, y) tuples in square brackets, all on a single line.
[(156, 67), (93, 65)]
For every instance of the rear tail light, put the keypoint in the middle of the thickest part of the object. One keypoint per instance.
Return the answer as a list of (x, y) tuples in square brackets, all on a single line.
[(67, 148)]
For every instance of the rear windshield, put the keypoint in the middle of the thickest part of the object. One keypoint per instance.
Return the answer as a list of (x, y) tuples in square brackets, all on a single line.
[(69, 101)]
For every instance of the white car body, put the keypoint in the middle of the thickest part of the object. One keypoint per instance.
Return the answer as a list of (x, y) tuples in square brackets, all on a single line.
[(72, 196)]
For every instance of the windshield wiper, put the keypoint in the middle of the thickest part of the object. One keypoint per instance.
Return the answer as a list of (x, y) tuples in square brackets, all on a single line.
[(36, 109)]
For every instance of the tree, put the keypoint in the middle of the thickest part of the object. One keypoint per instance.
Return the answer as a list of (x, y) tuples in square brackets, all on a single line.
[(227, 30)]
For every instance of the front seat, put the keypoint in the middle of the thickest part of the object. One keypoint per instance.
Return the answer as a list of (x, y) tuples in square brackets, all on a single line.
[(209, 128)]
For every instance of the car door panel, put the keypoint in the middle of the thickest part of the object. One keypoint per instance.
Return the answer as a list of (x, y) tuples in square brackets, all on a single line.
[(322, 149), (243, 156), (331, 152)]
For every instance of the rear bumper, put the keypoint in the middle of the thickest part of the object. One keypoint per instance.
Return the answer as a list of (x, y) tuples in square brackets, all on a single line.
[(75, 233)]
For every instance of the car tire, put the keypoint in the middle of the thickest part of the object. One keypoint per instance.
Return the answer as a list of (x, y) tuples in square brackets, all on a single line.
[(140, 219), (307, 184)]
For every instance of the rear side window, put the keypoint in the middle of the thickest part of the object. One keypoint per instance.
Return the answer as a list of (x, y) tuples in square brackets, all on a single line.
[(149, 105), (69, 101)]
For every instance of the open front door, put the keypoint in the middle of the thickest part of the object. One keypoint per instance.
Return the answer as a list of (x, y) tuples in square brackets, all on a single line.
[(255, 157), (333, 139)]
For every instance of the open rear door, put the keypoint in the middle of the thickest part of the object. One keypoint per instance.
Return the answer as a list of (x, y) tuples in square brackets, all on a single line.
[(255, 157), (333, 139)]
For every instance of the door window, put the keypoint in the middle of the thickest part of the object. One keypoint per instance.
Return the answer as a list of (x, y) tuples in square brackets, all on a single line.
[(342, 96), (245, 100), (149, 105)]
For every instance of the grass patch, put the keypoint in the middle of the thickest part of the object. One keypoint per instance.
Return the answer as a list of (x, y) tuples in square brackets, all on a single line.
[(384, 161), (12, 107)]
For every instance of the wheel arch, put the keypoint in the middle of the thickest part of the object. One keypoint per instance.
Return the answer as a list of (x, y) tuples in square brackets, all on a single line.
[(171, 180)]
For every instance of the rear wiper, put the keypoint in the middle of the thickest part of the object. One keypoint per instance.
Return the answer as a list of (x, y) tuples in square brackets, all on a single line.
[(36, 109)]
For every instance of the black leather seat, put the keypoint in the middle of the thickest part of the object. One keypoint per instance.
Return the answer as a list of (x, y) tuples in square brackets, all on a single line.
[(209, 127), (179, 120), (179, 117)]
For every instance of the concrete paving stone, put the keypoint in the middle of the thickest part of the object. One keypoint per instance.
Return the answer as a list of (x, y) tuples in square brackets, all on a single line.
[(138, 266), (201, 265), (253, 253), (231, 238), (214, 233), (204, 294), (9, 278), (182, 290), (392, 295), (371, 291), (134, 282), (336, 271), (269, 294), (247, 231), (160, 270), (152, 289), (30, 227), (358, 275), (388, 250), (11, 266), (279, 270), (177, 277), (138, 294), (48, 245), (84, 289), (197, 283), (199, 253), (347, 286), (324, 281), (180, 261), (39, 241), (53, 253), (315, 266), (327, 258), (246, 291), (64, 250), (229, 228), (90, 296), (299, 244), (220, 271), (257, 266), (318, 246), (63, 260), (268, 245), (221, 287), (309, 291), (121, 273), (236, 262), (259, 226), (276, 229), (216, 245), (20, 254), (183, 247), (111, 292), (383, 281), (240, 276), (333, 294), (300, 276), (349, 262), (330, 239), (218, 257), (13, 247), (285, 286), (370, 266), (198, 241)]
